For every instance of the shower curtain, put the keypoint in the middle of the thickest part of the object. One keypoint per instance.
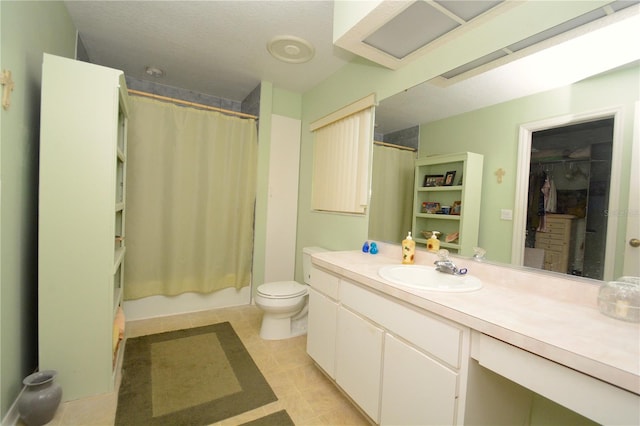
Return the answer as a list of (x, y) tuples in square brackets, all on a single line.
[(391, 193), (191, 186)]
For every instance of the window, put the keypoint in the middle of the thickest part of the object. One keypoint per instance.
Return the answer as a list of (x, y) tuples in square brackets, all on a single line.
[(341, 157)]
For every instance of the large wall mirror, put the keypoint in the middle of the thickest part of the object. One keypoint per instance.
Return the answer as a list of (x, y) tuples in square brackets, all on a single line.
[(592, 112)]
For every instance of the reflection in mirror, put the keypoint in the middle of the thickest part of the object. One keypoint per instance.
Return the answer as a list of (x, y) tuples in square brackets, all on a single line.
[(391, 201), (567, 77), (569, 179)]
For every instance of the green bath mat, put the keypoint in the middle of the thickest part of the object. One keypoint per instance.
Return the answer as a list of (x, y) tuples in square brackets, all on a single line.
[(196, 376), (279, 418)]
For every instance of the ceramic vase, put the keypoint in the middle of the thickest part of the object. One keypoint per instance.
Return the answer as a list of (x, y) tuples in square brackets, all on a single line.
[(40, 399)]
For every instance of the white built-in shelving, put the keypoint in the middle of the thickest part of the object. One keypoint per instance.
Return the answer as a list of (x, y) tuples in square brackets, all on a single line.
[(82, 205), (465, 188)]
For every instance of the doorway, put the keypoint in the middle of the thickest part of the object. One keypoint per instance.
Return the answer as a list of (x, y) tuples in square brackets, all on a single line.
[(568, 197)]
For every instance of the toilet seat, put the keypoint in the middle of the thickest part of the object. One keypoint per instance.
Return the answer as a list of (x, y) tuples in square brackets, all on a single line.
[(282, 290)]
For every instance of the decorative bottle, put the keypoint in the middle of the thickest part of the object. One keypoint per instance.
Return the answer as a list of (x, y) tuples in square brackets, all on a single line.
[(433, 243), (408, 250)]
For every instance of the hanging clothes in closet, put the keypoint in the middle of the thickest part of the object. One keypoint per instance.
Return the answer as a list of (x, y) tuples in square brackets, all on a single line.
[(548, 202)]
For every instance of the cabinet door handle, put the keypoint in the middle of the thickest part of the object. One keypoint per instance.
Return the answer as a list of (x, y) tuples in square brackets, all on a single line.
[(634, 242)]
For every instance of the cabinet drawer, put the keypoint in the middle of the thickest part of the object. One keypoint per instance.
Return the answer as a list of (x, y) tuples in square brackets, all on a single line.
[(436, 336), (324, 282), (549, 236), (551, 245), (555, 226)]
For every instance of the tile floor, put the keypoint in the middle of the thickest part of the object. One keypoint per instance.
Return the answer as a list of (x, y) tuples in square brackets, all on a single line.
[(307, 395)]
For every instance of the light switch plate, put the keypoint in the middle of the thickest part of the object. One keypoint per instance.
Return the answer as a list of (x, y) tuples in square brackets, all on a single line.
[(506, 214)]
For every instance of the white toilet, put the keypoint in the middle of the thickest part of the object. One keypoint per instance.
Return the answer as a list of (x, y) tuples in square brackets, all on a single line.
[(285, 304)]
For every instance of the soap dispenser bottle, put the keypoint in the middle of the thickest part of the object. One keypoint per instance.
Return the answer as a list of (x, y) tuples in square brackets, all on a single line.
[(433, 243), (408, 250)]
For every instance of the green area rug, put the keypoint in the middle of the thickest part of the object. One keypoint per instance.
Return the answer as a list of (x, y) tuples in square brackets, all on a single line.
[(196, 376), (279, 418)]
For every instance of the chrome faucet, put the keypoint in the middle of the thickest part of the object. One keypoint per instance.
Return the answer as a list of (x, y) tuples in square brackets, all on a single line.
[(478, 254), (445, 265)]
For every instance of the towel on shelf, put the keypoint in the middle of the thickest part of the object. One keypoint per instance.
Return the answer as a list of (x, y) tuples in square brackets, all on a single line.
[(118, 329)]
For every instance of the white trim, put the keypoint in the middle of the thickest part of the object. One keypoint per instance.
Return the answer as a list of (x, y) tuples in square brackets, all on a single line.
[(632, 213), (13, 415), (357, 106), (522, 180), (614, 194)]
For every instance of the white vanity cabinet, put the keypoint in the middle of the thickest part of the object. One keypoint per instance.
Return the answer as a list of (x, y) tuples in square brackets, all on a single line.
[(359, 360), (322, 319), (400, 365), (421, 358), (416, 390)]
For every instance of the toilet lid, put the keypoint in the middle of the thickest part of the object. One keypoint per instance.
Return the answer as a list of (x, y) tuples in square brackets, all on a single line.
[(282, 289)]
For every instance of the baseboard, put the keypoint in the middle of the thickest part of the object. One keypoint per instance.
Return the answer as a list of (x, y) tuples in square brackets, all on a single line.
[(160, 306), (12, 416)]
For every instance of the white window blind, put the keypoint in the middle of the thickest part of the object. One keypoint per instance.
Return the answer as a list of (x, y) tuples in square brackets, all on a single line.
[(341, 158)]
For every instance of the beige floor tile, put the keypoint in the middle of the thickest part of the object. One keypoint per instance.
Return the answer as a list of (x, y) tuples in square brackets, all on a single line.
[(298, 407), (309, 397), (200, 319), (93, 411), (143, 327), (176, 322)]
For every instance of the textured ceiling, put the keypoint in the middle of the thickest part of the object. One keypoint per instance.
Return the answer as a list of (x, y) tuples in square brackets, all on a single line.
[(220, 48), (212, 47)]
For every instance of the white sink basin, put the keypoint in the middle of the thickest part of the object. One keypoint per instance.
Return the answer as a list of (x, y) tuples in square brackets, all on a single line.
[(427, 278)]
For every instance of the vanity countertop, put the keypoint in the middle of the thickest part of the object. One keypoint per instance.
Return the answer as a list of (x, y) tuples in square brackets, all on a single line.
[(554, 317)]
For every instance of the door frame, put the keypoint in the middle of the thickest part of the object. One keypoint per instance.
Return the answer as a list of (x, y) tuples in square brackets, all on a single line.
[(522, 180), (631, 266)]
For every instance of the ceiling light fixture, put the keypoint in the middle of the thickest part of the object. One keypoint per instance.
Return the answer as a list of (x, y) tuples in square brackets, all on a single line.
[(291, 49), (154, 72)]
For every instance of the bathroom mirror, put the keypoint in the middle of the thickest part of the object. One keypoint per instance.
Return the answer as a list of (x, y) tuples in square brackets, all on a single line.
[(431, 102)]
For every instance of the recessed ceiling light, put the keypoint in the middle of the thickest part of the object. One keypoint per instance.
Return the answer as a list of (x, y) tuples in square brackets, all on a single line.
[(154, 72), (291, 49)]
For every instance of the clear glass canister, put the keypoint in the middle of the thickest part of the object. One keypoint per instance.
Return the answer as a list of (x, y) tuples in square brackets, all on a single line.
[(620, 299)]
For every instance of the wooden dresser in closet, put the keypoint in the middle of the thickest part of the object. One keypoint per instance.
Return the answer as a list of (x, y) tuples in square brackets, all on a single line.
[(556, 242)]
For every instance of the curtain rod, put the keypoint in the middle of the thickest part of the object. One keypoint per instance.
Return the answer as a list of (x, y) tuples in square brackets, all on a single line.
[(193, 104), (392, 145)]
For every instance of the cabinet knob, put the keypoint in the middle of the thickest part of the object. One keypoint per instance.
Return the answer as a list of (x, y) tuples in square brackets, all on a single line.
[(634, 242)]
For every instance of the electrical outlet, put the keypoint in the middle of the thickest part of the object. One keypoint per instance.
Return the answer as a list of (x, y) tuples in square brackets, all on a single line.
[(506, 214)]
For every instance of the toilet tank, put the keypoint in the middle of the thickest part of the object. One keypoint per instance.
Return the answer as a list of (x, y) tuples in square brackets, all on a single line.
[(306, 260)]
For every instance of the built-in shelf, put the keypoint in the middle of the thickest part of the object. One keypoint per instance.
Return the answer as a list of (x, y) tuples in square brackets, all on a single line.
[(466, 169), (80, 284)]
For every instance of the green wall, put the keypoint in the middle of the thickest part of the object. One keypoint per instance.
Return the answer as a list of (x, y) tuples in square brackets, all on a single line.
[(360, 78), (27, 30), (494, 132)]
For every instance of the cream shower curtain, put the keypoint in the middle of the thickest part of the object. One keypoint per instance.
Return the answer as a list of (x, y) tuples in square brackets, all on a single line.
[(191, 186), (391, 193)]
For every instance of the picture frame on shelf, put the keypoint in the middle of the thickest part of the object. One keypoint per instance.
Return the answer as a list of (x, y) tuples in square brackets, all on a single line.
[(432, 180), (430, 207), (456, 207), (449, 177)]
